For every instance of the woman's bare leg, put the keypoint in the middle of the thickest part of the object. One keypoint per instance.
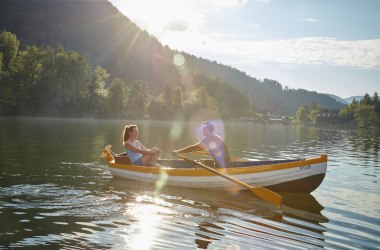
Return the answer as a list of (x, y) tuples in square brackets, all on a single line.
[(150, 160), (153, 158)]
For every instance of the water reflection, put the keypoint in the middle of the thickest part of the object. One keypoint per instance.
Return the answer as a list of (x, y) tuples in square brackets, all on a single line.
[(217, 214), (303, 206), (56, 193), (146, 214)]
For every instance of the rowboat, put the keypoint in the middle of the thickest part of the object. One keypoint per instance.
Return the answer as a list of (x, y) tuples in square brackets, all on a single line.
[(288, 176)]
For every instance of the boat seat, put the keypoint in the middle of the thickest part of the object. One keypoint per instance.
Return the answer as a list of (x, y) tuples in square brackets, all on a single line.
[(207, 162), (123, 160)]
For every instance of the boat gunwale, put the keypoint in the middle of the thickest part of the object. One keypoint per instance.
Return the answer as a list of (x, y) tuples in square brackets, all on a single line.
[(230, 171)]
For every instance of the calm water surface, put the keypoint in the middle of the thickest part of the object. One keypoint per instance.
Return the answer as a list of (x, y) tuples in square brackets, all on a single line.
[(55, 192)]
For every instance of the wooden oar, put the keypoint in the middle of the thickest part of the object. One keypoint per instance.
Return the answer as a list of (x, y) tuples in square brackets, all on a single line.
[(235, 159), (260, 192)]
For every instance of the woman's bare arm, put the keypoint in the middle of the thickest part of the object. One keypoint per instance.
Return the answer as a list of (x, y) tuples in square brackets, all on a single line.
[(143, 150)]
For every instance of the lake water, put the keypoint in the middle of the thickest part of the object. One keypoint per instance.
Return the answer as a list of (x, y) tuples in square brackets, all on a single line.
[(56, 192)]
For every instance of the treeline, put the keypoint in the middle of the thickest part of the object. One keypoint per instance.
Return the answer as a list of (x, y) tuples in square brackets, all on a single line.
[(364, 113), (47, 81)]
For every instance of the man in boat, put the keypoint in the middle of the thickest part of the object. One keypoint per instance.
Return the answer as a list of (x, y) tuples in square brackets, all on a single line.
[(214, 144)]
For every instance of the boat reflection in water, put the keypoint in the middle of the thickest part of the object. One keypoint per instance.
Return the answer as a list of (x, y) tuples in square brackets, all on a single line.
[(213, 218)]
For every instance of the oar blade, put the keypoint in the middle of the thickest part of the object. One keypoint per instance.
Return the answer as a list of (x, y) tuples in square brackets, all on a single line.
[(267, 195)]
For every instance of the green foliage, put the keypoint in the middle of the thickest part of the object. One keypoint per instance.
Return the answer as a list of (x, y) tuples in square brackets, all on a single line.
[(348, 111), (117, 98), (9, 46), (157, 109), (313, 115), (301, 114), (47, 81), (168, 105), (306, 114), (367, 100), (93, 28), (366, 116), (1, 64), (230, 101), (199, 100), (96, 93), (365, 113), (138, 98), (376, 103)]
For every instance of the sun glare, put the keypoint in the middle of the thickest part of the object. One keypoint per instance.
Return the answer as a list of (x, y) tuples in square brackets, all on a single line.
[(158, 16), (147, 211)]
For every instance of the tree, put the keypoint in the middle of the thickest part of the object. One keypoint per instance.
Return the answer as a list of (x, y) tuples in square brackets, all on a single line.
[(26, 74), (96, 93), (177, 100), (1, 65), (168, 98), (366, 116), (301, 114), (367, 100), (376, 102), (9, 46), (117, 98), (313, 115), (72, 74), (348, 111), (156, 109), (6, 94), (138, 99), (199, 99)]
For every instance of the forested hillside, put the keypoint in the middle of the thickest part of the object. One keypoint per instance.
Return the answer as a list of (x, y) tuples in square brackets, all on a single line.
[(267, 95), (96, 29), (53, 81)]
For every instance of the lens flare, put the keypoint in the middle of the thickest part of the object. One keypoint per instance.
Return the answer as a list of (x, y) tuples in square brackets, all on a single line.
[(179, 60), (176, 131), (160, 183)]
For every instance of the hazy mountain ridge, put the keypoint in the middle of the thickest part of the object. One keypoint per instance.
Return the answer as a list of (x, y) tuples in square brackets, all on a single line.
[(347, 100), (357, 98), (339, 99), (97, 29)]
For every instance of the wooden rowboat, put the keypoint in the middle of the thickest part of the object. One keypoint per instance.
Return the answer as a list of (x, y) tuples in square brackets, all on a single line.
[(289, 176)]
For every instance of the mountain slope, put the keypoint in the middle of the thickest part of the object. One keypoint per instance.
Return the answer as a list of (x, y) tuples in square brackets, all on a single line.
[(267, 95), (96, 28), (339, 99)]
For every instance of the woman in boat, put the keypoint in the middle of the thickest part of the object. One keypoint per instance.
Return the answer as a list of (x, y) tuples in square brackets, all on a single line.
[(211, 142), (138, 153)]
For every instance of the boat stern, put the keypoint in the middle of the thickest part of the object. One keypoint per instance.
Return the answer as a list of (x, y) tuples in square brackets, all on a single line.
[(106, 154)]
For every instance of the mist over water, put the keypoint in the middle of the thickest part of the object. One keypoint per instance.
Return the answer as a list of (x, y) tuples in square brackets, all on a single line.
[(56, 192)]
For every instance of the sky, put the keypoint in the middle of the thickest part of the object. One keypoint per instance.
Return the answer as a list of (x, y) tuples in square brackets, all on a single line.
[(328, 46)]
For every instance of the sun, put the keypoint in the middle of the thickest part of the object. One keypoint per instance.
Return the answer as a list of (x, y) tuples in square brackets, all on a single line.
[(156, 17)]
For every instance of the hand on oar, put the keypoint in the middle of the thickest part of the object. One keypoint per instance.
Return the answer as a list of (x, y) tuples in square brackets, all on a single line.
[(260, 192)]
